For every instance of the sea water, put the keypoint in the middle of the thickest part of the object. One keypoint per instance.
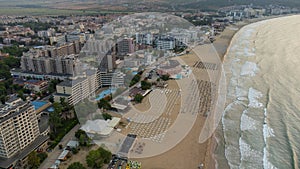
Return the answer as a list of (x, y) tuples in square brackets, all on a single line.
[(260, 127)]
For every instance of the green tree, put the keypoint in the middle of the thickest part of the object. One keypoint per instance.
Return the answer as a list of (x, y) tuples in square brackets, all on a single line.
[(105, 155), (42, 156), (76, 165), (96, 158), (52, 85), (4, 71), (145, 85), (79, 132), (55, 120), (2, 90), (135, 79), (14, 50), (51, 99), (103, 103), (83, 138), (74, 150), (12, 62), (21, 95), (33, 160), (93, 159), (165, 77), (107, 116), (138, 98)]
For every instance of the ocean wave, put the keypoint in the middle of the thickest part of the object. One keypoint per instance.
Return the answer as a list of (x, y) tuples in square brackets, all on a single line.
[(232, 156), (248, 52), (253, 97), (267, 131), (240, 92), (247, 123), (249, 69), (266, 163), (242, 99), (250, 158)]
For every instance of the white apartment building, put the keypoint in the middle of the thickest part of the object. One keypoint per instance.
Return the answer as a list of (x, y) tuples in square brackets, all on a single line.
[(77, 89), (18, 126)]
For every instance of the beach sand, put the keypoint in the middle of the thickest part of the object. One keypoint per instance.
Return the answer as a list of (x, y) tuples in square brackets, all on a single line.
[(189, 153)]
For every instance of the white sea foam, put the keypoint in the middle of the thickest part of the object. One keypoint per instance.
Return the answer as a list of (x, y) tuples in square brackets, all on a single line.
[(232, 155), (240, 92), (248, 154), (266, 163), (231, 152), (249, 69), (228, 123), (247, 33), (267, 130), (253, 97), (247, 123), (248, 52), (242, 99)]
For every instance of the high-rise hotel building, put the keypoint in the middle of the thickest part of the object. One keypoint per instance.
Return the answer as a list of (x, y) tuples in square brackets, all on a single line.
[(18, 126)]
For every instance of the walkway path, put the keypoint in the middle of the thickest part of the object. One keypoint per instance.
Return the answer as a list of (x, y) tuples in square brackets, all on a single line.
[(52, 156)]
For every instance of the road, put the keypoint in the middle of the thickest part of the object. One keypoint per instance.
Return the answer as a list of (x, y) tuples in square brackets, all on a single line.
[(52, 156)]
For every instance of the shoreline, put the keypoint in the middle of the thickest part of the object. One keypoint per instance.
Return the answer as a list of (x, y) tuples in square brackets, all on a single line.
[(189, 153), (210, 161)]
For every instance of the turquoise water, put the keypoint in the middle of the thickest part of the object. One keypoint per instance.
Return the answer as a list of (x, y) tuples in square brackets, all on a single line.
[(105, 93), (38, 104), (50, 109)]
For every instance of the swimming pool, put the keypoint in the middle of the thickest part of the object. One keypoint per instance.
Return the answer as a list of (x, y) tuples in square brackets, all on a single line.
[(105, 93), (38, 104), (50, 109)]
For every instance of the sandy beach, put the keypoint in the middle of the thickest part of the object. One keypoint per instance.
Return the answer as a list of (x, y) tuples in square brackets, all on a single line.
[(189, 153)]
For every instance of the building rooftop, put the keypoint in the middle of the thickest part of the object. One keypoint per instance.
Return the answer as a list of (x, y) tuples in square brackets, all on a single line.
[(170, 64), (70, 83), (35, 82), (12, 107), (66, 83), (7, 162)]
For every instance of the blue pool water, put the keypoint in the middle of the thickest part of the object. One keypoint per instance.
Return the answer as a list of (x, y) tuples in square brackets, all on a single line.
[(38, 104), (50, 109), (105, 93)]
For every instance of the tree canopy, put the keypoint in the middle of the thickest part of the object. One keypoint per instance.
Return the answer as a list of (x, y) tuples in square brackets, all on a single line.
[(12, 62), (103, 103), (96, 158), (33, 160), (165, 77), (138, 98), (106, 116), (76, 165), (145, 85), (14, 50), (135, 79), (83, 138)]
